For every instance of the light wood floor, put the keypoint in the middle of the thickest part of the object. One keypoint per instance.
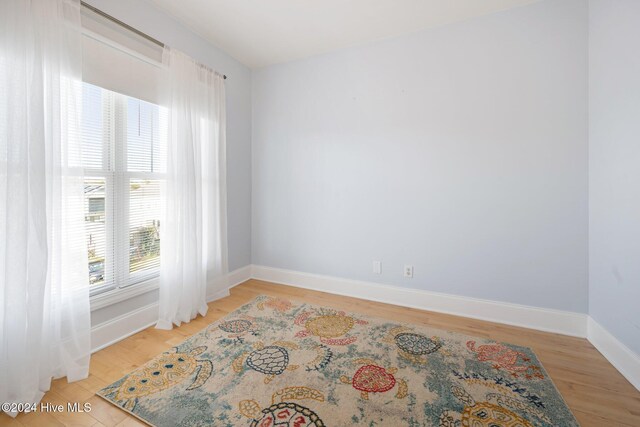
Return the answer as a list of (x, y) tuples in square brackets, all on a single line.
[(597, 394)]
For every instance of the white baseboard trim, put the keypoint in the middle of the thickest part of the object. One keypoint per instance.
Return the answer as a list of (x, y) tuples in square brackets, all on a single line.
[(621, 357), (548, 320), (231, 279), (121, 327)]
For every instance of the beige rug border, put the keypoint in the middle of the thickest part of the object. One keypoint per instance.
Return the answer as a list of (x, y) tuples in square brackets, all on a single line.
[(295, 300)]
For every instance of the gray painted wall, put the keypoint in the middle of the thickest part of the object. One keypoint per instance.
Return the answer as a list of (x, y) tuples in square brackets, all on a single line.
[(460, 150), (149, 19), (614, 167)]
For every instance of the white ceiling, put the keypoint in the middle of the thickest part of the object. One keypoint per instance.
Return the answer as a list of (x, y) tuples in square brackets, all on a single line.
[(265, 32)]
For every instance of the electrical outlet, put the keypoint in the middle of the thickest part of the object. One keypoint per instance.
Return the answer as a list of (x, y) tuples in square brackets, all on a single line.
[(377, 267), (408, 271)]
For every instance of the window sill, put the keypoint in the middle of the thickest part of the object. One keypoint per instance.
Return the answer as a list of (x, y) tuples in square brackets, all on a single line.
[(117, 295)]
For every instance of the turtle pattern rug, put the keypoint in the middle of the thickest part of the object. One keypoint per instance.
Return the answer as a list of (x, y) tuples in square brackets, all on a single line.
[(275, 362)]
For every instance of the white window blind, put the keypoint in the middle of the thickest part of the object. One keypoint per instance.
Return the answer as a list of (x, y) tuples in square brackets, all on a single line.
[(124, 160)]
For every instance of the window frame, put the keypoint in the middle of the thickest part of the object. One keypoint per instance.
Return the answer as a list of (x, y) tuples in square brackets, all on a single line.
[(123, 284)]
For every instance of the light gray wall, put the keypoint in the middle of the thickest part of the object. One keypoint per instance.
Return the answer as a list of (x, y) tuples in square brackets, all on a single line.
[(149, 19), (614, 152), (460, 150)]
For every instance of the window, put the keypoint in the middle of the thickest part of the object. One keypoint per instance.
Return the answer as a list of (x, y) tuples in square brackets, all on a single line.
[(124, 163)]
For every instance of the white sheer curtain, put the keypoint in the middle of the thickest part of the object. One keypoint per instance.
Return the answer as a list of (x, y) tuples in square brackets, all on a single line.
[(193, 241), (44, 284)]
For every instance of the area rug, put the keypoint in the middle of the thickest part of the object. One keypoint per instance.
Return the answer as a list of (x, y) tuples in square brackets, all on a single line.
[(275, 362)]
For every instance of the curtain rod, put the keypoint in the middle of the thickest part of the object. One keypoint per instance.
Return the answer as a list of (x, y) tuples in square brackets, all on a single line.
[(127, 26)]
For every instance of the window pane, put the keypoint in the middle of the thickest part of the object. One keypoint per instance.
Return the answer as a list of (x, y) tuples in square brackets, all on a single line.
[(144, 225), (94, 217), (145, 153), (92, 127)]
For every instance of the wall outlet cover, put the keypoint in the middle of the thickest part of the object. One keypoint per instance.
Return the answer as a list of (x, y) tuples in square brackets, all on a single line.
[(408, 271), (377, 267)]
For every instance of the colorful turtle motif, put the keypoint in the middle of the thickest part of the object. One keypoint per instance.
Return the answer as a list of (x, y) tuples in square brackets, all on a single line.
[(269, 360), (412, 346), (371, 378), (282, 411), (165, 371), (506, 358), (481, 414), (328, 325), (497, 391), (235, 328), (277, 304), (323, 357)]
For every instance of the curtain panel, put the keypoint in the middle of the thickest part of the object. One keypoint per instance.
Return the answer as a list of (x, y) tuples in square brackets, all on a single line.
[(193, 243), (44, 283)]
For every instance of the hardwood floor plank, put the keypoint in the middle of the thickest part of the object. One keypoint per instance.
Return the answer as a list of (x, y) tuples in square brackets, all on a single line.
[(105, 412)]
